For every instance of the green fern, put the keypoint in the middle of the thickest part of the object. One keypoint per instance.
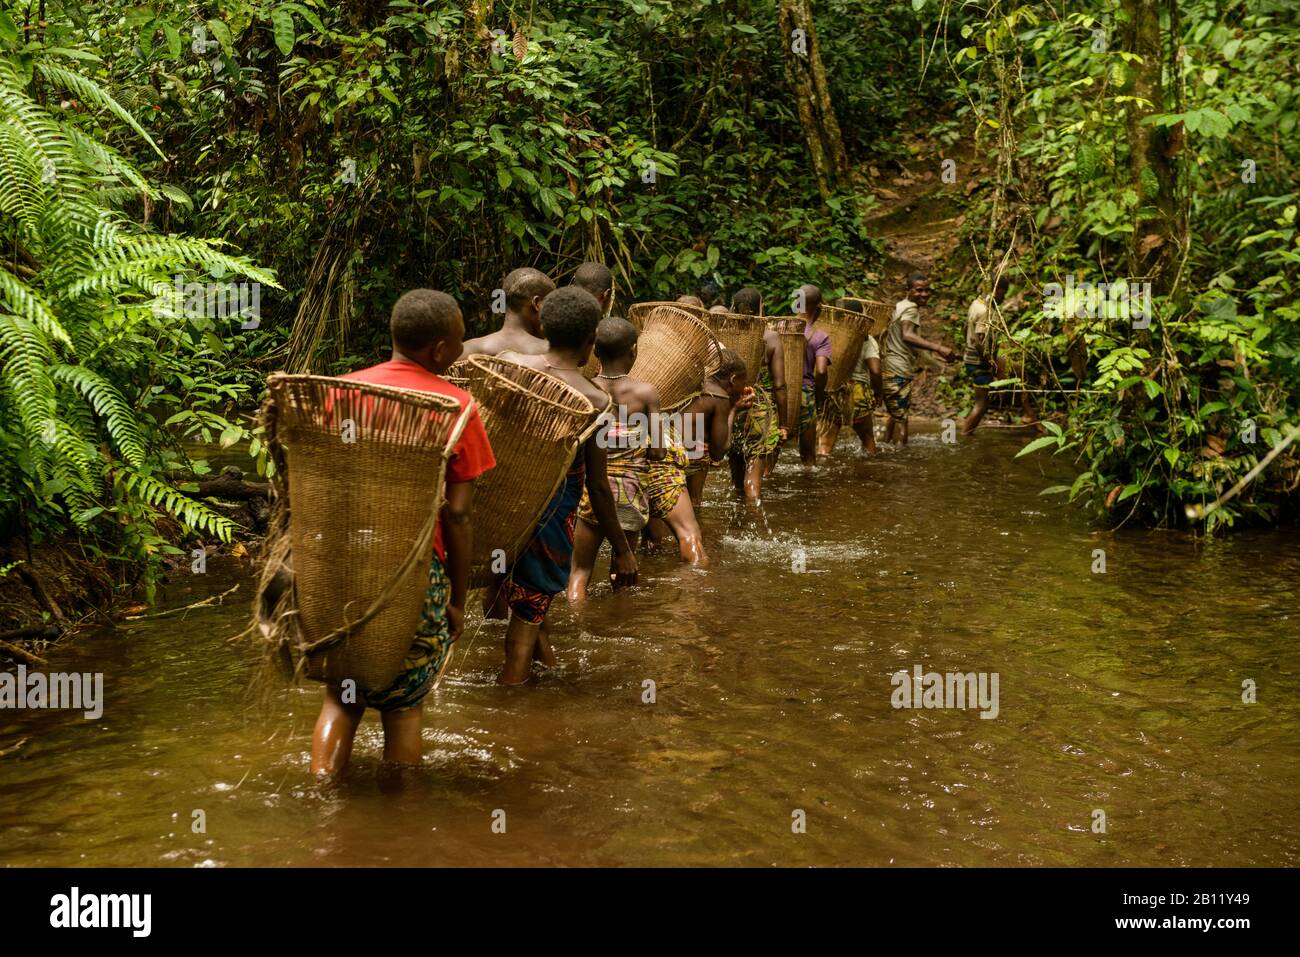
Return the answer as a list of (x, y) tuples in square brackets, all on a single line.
[(86, 303)]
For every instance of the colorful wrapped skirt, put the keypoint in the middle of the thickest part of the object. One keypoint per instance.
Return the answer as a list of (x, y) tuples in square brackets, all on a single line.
[(542, 569), (430, 651), (757, 430)]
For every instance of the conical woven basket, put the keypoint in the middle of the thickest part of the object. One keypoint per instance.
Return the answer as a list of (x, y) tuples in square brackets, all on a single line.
[(637, 312), (365, 467), (742, 335), (793, 347), (878, 314), (673, 353), (847, 331), (534, 422)]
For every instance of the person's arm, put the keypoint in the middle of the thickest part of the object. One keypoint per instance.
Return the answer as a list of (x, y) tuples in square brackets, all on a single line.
[(602, 505), (821, 370), (458, 541), (916, 342), (877, 381)]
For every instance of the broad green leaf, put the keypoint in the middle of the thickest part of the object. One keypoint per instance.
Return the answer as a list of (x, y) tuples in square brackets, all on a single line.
[(282, 27), (1039, 443), (230, 435), (222, 33), (173, 40)]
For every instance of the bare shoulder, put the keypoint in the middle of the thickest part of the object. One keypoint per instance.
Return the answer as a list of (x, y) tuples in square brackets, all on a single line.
[(528, 345), (594, 393), (647, 392)]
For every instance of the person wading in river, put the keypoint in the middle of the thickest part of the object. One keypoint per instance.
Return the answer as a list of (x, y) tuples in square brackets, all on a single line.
[(760, 430), (853, 405), (570, 317), (525, 290), (521, 330), (816, 365), (427, 330), (981, 360), (902, 340), (724, 394), (635, 442)]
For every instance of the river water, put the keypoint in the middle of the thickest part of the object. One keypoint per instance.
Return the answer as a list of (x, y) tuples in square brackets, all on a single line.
[(1119, 693)]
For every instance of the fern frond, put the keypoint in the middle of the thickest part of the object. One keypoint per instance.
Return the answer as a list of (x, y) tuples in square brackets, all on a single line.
[(89, 91), (103, 396), (22, 300), (193, 514)]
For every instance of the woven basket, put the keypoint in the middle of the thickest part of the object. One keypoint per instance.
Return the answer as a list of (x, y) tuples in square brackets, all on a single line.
[(793, 347), (534, 422), (674, 352), (742, 335), (458, 373), (637, 313), (365, 466), (878, 314), (847, 331)]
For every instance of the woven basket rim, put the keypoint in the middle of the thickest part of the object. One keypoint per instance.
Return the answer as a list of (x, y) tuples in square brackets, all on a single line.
[(421, 397), (485, 362), (846, 316)]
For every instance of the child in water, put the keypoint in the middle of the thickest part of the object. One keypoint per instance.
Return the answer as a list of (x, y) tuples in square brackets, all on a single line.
[(712, 414), (637, 450), (570, 317), (427, 330)]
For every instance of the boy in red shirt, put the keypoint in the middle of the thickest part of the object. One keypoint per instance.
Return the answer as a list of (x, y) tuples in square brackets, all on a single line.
[(428, 333)]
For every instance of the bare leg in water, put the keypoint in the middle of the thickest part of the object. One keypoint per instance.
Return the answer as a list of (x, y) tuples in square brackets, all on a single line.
[(587, 542), (690, 543), (521, 644), (331, 742)]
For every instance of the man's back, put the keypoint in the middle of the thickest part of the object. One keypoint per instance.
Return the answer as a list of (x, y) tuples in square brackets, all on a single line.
[(505, 340)]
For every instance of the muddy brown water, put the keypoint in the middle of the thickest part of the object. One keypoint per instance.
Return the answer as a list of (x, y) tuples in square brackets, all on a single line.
[(1119, 692)]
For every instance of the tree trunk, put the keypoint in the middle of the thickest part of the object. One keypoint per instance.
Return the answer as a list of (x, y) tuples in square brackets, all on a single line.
[(1154, 246), (807, 78)]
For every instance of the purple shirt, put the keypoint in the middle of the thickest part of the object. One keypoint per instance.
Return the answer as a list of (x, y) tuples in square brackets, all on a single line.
[(819, 344)]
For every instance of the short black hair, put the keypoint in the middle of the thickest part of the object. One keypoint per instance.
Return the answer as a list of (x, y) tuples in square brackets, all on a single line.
[(523, 284), (812, 296), (747, 301), (729, 363), (849, 305), (690, 300), (708, 292), (570, 317), (595, 278), (421, 317), (615, 338), (914, 278)]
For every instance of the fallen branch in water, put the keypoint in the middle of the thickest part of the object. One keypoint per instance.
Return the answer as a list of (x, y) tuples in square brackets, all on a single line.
[(27, 656), (210, 602), (32, 631), (230, 484), (1197, 512)]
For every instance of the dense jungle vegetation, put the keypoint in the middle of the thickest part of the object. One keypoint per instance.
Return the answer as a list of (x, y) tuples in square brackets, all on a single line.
[(328, 156)]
